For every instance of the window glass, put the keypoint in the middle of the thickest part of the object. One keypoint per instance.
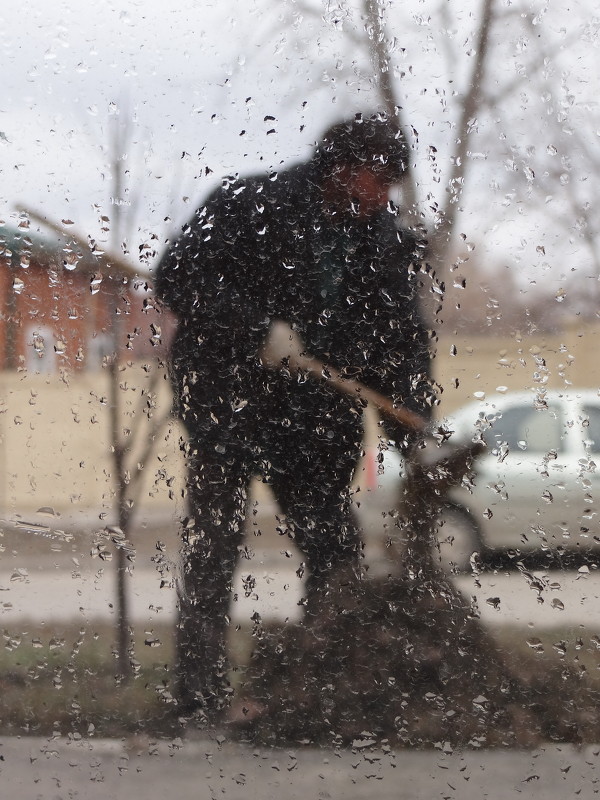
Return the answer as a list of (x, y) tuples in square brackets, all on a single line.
[(252, 255), (527, 428)]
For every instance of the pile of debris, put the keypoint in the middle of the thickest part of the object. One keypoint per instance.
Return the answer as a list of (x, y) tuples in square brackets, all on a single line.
[(407, 660)]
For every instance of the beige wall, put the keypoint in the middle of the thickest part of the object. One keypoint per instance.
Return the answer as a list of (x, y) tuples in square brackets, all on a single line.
[(54, 430), (464, 365), (55, 438)]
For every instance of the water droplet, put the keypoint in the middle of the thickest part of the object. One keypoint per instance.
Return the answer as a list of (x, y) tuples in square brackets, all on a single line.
[(39, 345), (95, 283), (70, 260), (535, 644), (48, 511), (20, 574)]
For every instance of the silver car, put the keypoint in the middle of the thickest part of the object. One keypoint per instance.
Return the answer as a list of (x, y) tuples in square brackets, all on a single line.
[(534, 488)]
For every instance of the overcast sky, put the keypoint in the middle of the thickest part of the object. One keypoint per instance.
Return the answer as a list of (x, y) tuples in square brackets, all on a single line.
[(199, 80), (73, 68)]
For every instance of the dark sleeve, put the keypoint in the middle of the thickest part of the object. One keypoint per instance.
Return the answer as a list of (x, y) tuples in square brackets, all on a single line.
[(207, 277), (400, 362), (180, 277), (199, 262)]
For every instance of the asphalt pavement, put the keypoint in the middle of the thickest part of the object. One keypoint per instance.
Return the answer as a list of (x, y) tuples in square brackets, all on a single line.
[(207, 769), (83, 589), (58, 569)]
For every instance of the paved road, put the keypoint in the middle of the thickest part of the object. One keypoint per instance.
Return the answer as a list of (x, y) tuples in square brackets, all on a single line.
[(47, 574), (85, 590), (56, 769)]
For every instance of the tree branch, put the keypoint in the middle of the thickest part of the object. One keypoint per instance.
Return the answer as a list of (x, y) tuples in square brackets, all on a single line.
[(137, 473), (380, 58), (534, 67), (470, 105)]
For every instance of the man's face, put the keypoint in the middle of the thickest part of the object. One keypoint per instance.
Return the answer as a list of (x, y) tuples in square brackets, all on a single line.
[(363, 189)]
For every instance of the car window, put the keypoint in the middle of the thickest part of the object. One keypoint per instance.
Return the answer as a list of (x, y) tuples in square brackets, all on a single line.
[(592, 430), (527, 428)]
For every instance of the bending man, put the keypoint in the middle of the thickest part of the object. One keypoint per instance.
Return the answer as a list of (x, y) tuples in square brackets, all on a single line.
[(317, 246)]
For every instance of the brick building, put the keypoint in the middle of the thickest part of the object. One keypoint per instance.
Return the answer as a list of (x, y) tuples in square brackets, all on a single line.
[(60, 309)]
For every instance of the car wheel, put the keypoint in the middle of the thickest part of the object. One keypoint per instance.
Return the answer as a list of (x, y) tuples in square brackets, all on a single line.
[(458, 536)]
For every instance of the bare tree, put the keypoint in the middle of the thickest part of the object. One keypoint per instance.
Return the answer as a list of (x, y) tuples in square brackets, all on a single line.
[(559, 171), (132, 436), (493, 72)]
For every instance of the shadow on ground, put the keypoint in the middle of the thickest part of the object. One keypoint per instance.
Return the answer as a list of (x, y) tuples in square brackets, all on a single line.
[(559, 559)]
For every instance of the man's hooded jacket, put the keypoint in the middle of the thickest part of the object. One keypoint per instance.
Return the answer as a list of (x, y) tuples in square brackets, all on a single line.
[(267, 248)]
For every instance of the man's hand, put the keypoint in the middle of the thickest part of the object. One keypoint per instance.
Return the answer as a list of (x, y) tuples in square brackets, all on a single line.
[(282, 346)]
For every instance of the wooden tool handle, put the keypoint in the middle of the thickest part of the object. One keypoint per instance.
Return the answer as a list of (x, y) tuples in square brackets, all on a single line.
[(283, 346), (353, 388)]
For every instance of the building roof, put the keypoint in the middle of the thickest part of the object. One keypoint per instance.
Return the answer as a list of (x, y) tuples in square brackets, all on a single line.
[(21, 243)]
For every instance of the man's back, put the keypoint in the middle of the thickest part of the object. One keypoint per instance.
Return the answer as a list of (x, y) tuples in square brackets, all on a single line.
[(267, 248)]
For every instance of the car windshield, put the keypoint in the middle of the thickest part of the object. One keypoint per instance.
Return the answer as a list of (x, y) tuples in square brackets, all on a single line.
[(526, 428)]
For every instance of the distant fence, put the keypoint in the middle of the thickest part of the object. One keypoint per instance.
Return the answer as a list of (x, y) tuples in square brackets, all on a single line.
[(54, 430)]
